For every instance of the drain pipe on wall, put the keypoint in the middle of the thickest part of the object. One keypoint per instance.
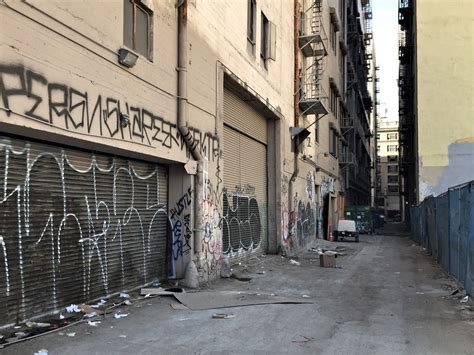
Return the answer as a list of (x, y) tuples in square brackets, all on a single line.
[(191, 276), (296, 98)]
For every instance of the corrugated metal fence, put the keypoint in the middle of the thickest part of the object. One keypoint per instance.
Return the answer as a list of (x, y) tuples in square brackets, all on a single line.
[(444, 225)]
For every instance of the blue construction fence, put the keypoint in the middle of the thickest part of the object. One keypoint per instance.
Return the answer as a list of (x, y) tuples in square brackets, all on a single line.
[(444, 225)]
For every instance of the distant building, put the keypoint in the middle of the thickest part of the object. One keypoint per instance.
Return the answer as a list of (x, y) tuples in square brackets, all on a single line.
[(388, 194), (436, 89)]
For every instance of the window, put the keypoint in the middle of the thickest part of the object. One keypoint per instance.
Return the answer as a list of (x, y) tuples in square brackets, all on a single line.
[(333, 37), (392, 169), (392, 188), (251, 17), (393, 158), (268, 40), (393, 179), (333, 141), (378, 148), (392, 148), (137, 28), (378, 135), (392, 136), (317, 131)]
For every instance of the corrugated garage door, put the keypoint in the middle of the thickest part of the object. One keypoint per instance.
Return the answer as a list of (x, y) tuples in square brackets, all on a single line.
[(76, 226), (245, 178)]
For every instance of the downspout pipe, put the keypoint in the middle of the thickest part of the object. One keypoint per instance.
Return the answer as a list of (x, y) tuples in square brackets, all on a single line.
[(183, 124), (296, 99)]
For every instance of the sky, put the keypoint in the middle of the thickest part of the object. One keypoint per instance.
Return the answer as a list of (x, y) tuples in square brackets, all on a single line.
[(385, 29)]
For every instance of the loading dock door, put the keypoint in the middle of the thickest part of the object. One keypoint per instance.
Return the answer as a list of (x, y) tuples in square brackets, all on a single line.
[(76, 226)]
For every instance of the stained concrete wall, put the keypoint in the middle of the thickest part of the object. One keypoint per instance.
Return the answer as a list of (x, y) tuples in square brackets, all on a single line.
[(445, 110)]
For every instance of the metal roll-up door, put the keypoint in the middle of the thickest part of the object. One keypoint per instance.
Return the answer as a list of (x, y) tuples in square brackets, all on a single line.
[(76, 226), (245, 179)]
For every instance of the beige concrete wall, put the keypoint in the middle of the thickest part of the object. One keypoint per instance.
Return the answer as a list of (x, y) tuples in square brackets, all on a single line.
[(445, 110)]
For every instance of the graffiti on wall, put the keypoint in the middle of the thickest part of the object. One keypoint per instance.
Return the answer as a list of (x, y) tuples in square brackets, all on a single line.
[(241, 224), (92, 225), (31, 95), (180, 218), (305, 222), (310, 186)]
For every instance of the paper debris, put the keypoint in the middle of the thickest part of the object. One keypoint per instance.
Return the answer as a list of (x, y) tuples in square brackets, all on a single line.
[(72, 334), (73, 308), (93, 324), (124, 295), (99, 304), (119, 315), (37, 325), (464, 299), (122, 336), (306, 296), (42, 352), (128, 302), (90, 315), (61, 316), (223, 315), (294, 262)]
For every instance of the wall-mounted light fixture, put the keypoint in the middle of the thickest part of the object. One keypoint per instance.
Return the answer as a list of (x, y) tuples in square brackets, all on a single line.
[(127, 57), (124, 120)]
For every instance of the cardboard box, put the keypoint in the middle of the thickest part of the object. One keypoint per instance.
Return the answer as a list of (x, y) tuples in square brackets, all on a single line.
[(327, 260)]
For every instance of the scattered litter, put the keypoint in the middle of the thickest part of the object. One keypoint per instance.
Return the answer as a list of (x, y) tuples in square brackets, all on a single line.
[(100, 304), (17, 327), (420, 293), (37, 325), (124, 295), (122, 336), (90, 315), (73, 308), (128, 302), (20, 334), (156, 283), (260, 272), (183, 319), (61, 316), (306, 296), (147, 295), (149, 304), (42, 352), (93, 324), (294, 262), (119, 315), (455, 292), (464, 299), (300, 339), (72, 334), (223, 315)]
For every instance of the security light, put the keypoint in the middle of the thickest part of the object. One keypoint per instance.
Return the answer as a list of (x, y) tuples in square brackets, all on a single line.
[(127, 57)]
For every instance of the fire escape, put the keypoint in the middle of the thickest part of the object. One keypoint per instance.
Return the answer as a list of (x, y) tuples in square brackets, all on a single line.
[(406, 100), (313, 44)]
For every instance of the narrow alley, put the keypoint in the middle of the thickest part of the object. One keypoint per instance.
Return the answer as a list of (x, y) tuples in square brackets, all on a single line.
[(385, 296)]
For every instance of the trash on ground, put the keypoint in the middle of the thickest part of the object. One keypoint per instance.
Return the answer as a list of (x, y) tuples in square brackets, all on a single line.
[(327, 260), (61, 316), (37, 325), (93, 324), (455, 292), (119, 315), (128, 302), (100, 304), (420, 293), (21, 334), (124, 295), (261, 272), (72, 334), (306, 296), (178, 306), (294, 262), (122, 336), (90, 315), (464, 299), (223, 315), (42, 352), (300, 339), (73, 308)]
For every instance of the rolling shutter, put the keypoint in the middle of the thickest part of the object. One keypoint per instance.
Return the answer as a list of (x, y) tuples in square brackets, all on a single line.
[(245, 179), (76, 226)]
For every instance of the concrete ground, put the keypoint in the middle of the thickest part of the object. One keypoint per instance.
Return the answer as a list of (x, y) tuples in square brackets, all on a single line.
[(388, 298)]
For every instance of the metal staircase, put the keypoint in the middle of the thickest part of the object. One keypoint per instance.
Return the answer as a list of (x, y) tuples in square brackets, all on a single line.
[(313, 44)]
